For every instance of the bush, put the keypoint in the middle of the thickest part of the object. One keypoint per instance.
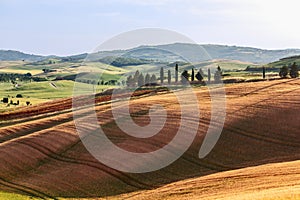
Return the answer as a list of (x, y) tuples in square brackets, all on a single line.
[(284, 71), (5, 100), (19, 96), (294, 73), (185, 77)]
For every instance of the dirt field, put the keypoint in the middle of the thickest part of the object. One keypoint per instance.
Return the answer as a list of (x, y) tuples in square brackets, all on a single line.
[(42, 155), (270, 181)]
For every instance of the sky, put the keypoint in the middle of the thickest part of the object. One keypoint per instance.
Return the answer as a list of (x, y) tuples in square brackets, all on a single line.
[(66, 27)]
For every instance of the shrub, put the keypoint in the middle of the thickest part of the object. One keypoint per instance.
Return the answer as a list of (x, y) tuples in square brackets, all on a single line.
[(284, 71), (5, 100), (199, 75), (185, 77), (294, 72)]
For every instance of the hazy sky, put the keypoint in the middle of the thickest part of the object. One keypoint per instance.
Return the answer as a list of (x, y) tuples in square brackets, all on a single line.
[(64, 27)]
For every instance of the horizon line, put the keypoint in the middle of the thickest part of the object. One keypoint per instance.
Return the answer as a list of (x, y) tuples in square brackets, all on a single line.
[(203, 44)]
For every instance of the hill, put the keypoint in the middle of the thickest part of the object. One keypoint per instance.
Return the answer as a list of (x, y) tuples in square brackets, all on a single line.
[(43, 156), (170, 53), (284, 61), (200, 53), (274, 181), (10, 55)]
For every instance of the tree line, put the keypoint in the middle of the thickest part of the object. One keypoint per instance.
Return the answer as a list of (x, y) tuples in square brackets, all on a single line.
[(14, 78), (139, 79), (292, 70)]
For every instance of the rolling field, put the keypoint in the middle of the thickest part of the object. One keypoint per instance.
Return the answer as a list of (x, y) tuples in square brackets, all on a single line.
[(271, 181), (40, 92), (256, 156)]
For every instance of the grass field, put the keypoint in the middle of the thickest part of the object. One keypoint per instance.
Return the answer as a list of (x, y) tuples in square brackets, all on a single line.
[(14, 196), (39, 92)]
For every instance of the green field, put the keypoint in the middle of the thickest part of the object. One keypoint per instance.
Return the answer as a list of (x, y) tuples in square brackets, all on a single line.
[(61, 75), (286, 61), (39, 92), (14, 196)]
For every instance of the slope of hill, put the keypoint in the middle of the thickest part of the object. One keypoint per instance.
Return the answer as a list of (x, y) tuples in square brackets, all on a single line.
[(171, 52), (285, 61), (269, 182), (16, 55), (199, 53), (43, 156)]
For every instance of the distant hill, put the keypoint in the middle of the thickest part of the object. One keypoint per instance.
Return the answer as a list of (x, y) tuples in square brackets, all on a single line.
[(9, 55), (275, 66), (199, 53), (285, 61), (172, 53)]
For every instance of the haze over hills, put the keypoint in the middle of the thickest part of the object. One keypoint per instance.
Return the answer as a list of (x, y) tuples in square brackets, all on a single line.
[(172, 53)]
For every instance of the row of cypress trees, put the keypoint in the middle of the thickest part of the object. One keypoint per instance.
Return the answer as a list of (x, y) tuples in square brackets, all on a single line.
[(140, 80)]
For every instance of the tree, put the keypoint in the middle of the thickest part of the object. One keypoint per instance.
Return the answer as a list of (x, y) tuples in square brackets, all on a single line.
[(219, 68), (208, 75), (5, 100), (141, 80), (129, 82), (176, 73), (193, 75), (147, 79), (162, 75), (294, 72), (218, 74), (153, 79), (169, 77), (264, 72), (28, 75), (284, 71), (185, 77), (136, 76), (199, 75)]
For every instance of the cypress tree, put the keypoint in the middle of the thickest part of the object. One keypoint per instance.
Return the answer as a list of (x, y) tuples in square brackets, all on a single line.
[(162, 75), (141, 80), (193, 75), (136, 76), (218, 74), (176, 73), (153, 79), (147, 79), (199, 75), (169, 77)]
